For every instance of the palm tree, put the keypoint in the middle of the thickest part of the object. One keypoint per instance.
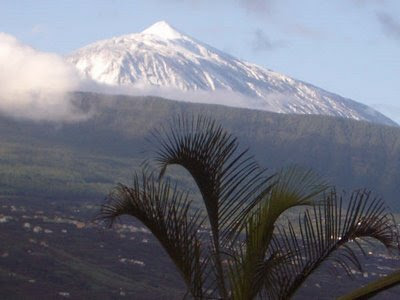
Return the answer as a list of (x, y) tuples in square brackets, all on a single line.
[(247, 251)]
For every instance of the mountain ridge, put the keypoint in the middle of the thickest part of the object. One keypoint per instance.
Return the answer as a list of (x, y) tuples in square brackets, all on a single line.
[(162, 57)]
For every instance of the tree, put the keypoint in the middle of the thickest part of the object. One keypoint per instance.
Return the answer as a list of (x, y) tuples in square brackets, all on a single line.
[(246, 251)]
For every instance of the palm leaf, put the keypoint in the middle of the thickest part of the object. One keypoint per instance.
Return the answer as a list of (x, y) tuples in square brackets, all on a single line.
[(375, 287), (324, 234), (230, 181), (294, 187), (166, 212)]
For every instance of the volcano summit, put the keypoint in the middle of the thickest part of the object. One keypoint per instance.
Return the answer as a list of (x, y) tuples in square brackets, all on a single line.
[(163, 61)]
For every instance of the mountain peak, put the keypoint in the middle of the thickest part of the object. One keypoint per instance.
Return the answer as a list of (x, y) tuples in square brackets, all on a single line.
[(164, 30), (161, 56)]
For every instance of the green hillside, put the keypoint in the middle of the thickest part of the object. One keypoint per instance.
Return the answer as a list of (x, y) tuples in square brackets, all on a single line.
[(87, 158)]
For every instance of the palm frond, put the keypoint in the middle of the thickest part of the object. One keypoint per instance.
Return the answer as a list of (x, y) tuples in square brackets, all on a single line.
[(294, 187), (226, 176), (375, 287), (230, 181), (324, 234), (167, 213), (260, 272)]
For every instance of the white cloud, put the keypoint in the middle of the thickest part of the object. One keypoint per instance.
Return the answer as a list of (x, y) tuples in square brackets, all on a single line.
[(219, 96), (35, 84)]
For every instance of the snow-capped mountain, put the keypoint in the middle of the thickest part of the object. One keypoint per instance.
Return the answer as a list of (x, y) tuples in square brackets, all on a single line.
[(163, 57)]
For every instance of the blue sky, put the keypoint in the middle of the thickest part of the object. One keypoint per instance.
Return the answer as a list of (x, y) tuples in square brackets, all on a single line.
[(350, 47)]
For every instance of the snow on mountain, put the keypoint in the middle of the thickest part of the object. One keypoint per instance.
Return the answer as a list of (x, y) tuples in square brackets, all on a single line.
[(164, 58)]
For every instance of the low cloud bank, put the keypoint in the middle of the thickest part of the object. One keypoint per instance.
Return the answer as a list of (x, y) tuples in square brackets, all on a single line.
[(35, 85), (220, 97)]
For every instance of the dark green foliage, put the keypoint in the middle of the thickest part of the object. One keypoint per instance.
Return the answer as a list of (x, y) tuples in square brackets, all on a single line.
[(324, 234), (228, 179)]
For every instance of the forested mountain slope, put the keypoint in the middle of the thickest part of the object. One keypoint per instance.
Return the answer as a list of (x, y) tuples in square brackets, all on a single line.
[(88, 157)]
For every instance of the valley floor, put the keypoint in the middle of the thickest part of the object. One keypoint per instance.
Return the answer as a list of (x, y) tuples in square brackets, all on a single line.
[(51, 249)]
